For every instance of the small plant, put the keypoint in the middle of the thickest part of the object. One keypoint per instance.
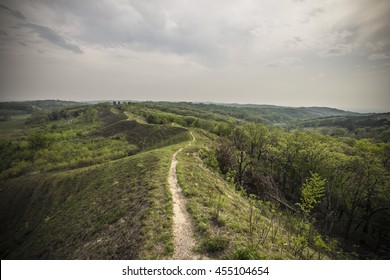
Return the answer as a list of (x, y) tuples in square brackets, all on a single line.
[(201, 227), (299, 244), (257, 233), (217, 211), (320, 245), (214, 244), (246, 254), (230, 176), (275, 224)]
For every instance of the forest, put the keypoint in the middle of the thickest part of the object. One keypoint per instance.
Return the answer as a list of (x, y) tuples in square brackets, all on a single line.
[(323, 173)]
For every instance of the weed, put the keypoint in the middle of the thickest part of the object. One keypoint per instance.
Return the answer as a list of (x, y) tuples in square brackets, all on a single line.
[(215, 244)]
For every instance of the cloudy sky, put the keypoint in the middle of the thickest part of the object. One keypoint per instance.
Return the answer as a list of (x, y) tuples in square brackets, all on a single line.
[(286, 52)]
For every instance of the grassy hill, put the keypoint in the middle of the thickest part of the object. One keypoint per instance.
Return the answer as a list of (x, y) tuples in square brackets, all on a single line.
[(232, 224), (116, 210), (90, 182), (75, 187), (8, 109), (267, 114), (144, 136)]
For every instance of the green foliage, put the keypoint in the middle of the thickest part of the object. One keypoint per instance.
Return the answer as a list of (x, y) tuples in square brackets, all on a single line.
[(209, 159), (246, 254), (90, 115), (38, 141), (321, 245), (299, 242), (230, 176), (372, 126), (311, 193)]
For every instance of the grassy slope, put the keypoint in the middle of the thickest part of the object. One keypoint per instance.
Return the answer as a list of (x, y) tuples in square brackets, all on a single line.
[(145, 136), (221, 215), (116, 210), (119, 209)]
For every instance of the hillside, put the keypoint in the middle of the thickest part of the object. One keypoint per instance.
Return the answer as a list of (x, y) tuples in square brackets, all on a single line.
[(95, 182), (267, 114), (116, 210), (144, 136), (8, 109), (52, 207), (374, 126)]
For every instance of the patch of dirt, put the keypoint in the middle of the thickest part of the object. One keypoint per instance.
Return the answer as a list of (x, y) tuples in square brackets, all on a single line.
[(183, 229)]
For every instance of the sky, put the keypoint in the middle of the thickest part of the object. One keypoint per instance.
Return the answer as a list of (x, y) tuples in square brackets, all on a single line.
[(333, 53)]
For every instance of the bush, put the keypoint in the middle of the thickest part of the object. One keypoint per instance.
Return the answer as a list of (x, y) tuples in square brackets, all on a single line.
[(209, 158)]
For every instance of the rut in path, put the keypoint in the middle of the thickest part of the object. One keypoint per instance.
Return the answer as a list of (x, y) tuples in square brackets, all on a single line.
[(183, 229)]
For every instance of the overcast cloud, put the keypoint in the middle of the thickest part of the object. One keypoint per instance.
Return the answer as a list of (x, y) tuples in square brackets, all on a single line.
[(285, 52)]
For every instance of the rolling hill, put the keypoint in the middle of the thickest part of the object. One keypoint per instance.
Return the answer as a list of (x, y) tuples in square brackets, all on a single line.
[(91, 182)]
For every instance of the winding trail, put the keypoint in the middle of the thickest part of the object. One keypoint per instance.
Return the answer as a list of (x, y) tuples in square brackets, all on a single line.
[(183, 229)]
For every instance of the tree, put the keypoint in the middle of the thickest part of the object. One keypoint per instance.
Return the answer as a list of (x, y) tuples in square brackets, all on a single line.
[(89, 115), (242, 158), (38, 141), (313, 190), (258, 138)]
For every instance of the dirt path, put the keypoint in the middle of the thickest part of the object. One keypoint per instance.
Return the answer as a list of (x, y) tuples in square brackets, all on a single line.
[(183, 240)]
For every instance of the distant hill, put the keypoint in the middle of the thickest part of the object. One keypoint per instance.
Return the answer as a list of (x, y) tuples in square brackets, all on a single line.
[(267, 114), (373, 126), (8, 109), (281, 113)]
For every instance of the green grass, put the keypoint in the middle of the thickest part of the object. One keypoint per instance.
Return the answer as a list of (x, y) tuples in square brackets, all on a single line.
[(116, 210)]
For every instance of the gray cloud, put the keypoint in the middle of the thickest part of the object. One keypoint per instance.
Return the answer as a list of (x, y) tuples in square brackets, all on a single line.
[(378, 56), (312, 14), (337, 50), (3, 34), (197, 49), (53, 37), (284, 62), (14, 13), (316, 11)]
